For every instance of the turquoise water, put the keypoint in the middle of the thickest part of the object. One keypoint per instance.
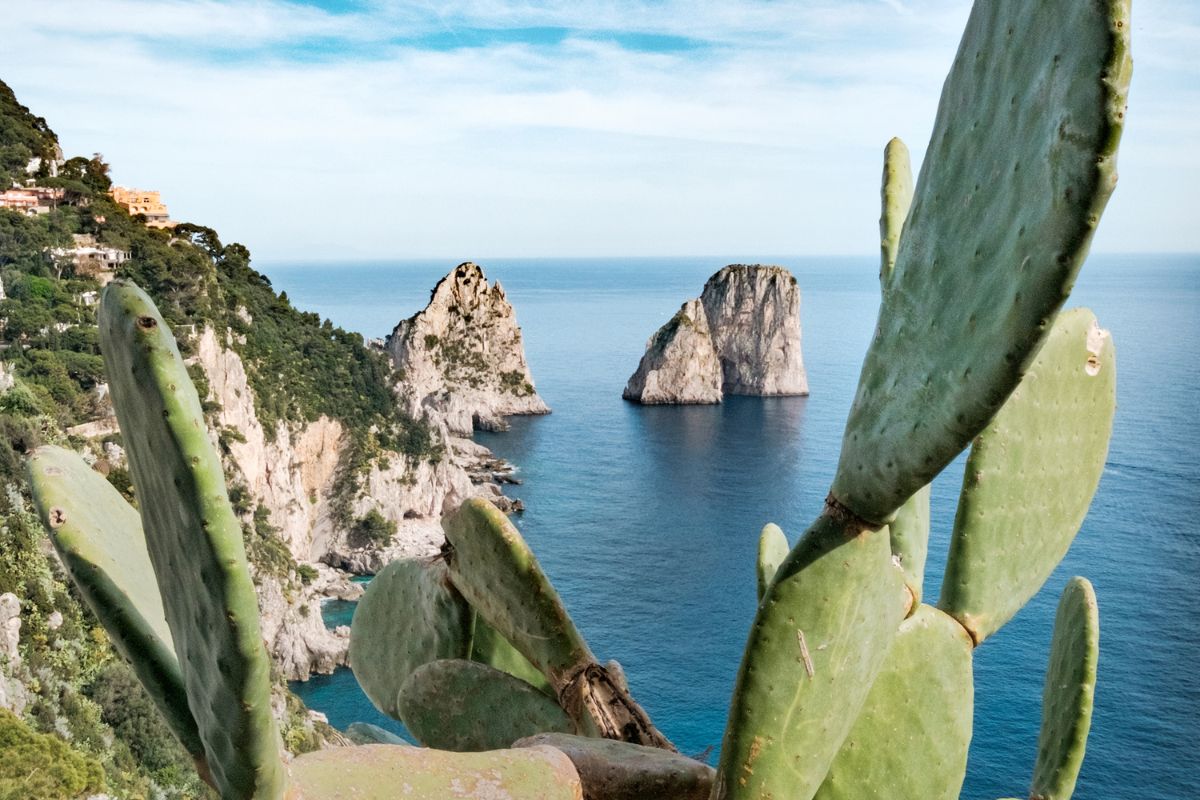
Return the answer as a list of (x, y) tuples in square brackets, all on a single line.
[(647, 518)]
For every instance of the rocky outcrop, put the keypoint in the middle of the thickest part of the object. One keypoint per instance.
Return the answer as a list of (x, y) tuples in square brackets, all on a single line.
[(680, 364), (296, 635), (13, 694), (754, 313), (751, 321), (10, 628), (292, 475), (462, 356)]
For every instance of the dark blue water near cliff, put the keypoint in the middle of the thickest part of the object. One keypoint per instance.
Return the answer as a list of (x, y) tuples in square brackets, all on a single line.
[(647, 518)]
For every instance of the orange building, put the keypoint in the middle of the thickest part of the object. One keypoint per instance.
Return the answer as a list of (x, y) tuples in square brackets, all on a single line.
[(19, 200), (147, 203)]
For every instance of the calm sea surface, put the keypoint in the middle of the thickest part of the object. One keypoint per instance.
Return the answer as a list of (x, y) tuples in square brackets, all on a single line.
[(647, 519)]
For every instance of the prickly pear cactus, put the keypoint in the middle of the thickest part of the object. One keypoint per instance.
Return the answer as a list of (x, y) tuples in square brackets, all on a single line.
[(1031, 476), (452, 704), (195, 544), (1036, 95), (1070, 688), (909, 534), (1019, 168), (384, 772), (99, 537), (912, 736), (497, 573), (410, 615), (896, 196), (772, 550)]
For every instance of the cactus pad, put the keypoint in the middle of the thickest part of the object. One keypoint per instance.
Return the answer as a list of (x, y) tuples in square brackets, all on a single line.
[(386, 772), (895, 198), (366, 733), (195, 544), (912, 736), (818, 640), (466, 706), (910, 541), (1020, 165), (489, 647), (410, 615), (1070, 687), (495, 570), (500, 577), (612, 770), (99, 537), (1031, 476), (773, 548)]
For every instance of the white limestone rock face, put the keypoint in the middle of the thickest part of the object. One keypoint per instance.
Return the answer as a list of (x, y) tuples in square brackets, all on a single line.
[(754, 313), (743, 338), (463, 356), (680, 364), (292, 474)]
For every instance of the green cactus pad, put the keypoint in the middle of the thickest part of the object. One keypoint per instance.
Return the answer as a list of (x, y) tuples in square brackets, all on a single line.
[(910, 541), (612, 770), (912, 736), (366, 733), (1070, 687), (489, 647), (1019, 168), (818, 640), (495, 570), (466, 706), (1031, 476), (385, 772), (895, 198), (99, 537), (410, 615), (195, 544), (773, 548)]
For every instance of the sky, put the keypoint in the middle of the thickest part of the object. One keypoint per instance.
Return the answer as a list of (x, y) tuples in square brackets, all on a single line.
[(467, 129)]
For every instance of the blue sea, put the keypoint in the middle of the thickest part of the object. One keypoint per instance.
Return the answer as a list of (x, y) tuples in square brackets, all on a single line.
[(647, 519)]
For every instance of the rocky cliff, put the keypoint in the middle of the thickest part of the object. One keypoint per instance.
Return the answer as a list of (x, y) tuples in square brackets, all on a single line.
[(680, 364), (291, 480), (742, 336), (462, 356)]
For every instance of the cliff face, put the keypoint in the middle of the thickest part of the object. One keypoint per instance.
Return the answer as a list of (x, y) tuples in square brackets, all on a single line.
[(293, 475), (754, 313), (463, 357), (680, 364), (742, 336)]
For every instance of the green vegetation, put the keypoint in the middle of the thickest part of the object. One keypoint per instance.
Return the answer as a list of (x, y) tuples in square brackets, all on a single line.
[(372, 528), (514, 382), (43, 766), (23, 137)]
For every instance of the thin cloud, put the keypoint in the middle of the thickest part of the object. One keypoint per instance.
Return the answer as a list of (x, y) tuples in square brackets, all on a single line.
[(586, 128)]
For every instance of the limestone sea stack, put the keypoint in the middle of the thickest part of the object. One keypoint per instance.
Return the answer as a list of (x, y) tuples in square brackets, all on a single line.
[(680, 364), (463, 354), (742, 336)]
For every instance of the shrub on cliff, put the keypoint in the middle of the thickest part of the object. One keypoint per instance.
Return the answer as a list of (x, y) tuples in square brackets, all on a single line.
[(41, 765)]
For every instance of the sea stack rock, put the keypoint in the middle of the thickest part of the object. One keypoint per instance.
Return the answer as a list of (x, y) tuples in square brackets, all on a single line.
[(463, 354), (680, 364), (749, 318)]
